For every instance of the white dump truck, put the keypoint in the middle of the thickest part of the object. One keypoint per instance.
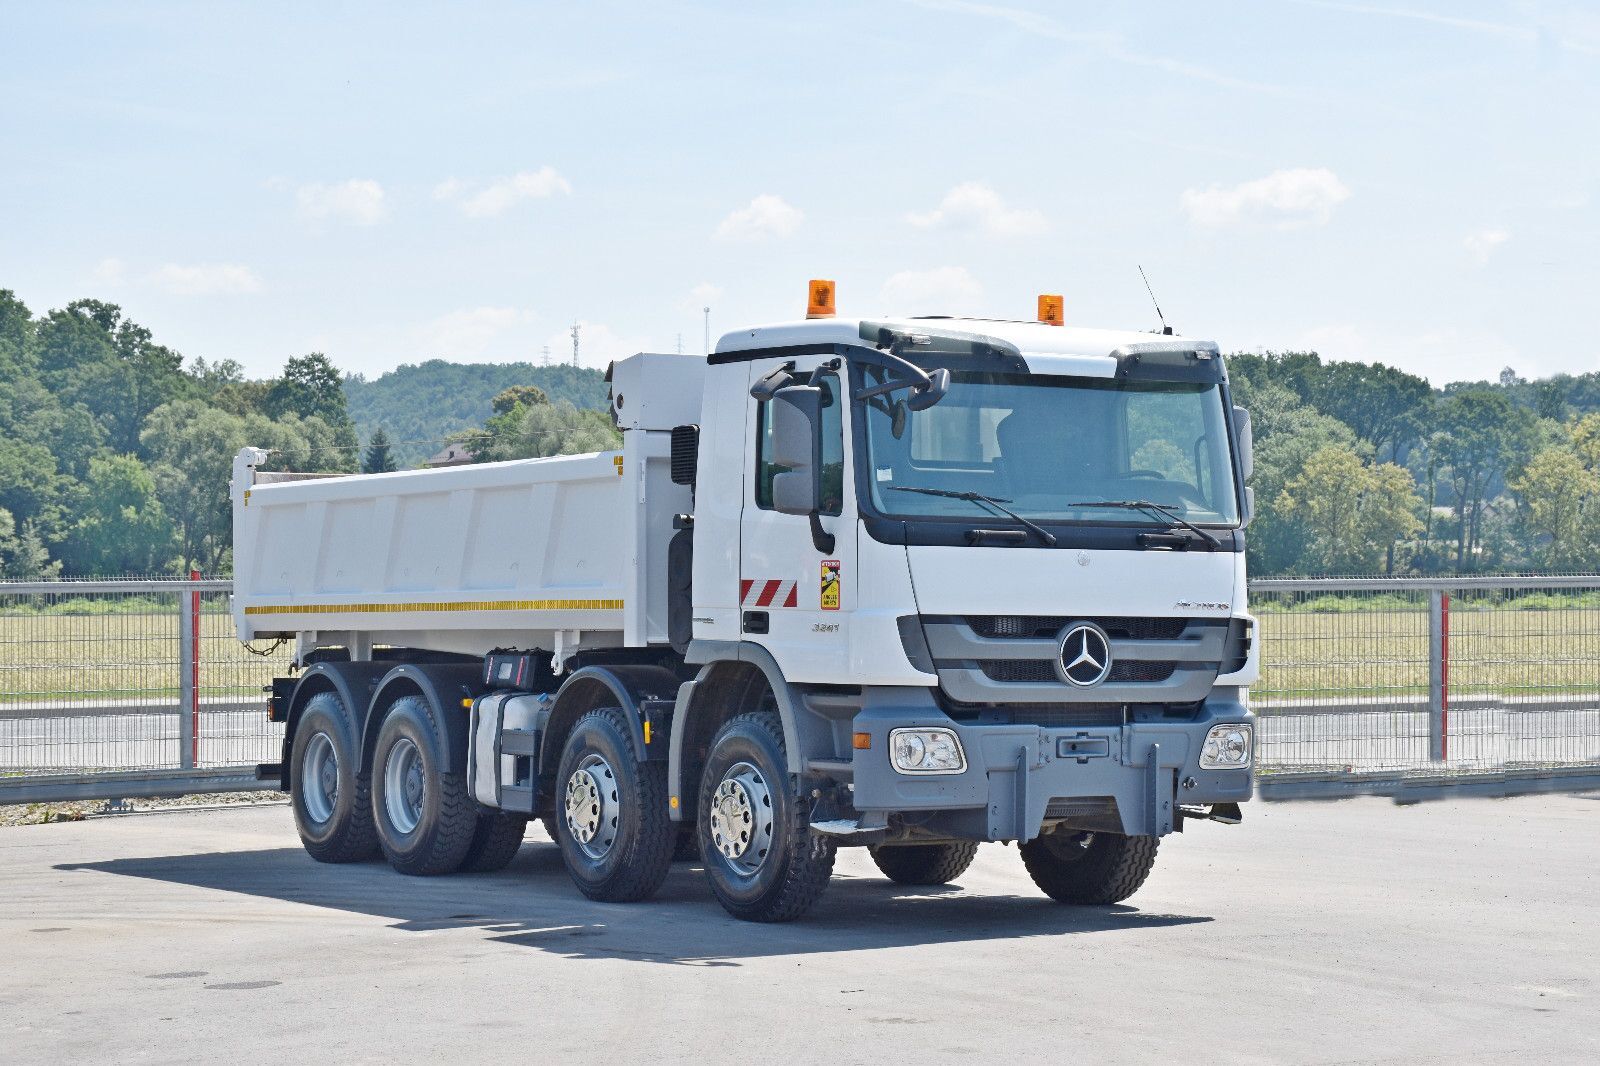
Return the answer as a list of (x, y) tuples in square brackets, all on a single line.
[(908, 584)]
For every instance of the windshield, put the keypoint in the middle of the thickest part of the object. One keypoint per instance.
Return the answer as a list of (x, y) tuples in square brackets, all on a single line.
[(1045, 446)]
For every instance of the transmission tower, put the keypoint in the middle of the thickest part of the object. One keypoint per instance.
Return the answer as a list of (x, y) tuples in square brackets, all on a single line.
[(575, 328), (546, 355)]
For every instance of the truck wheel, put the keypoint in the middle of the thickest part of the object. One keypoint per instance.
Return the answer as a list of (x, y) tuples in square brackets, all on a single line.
[(925, 864), (332, 805), (761, 857), (611, 812), (426, 818), (1089, 867), (495, 842)]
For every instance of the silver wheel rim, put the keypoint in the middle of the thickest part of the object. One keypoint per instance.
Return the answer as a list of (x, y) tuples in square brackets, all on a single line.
[(592, 808), (319, 778), (741, 818), (404, 786)]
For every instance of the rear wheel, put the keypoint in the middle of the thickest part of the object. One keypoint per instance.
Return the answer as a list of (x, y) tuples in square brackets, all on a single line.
[(761, 857), (925, 864), (426, 818), (1089, 867), (611, 813), (332, 805), (495, 842)]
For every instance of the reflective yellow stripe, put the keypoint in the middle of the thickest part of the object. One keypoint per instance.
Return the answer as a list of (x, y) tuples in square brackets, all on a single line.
[(453, 605)]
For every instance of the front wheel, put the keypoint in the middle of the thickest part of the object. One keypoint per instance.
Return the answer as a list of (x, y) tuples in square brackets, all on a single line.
[(611, 813), (925, 864), (761, 857), (1089, 867)]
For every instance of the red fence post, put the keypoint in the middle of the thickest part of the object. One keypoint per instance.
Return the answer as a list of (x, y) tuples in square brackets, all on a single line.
[(1444, 677), (194, 667)]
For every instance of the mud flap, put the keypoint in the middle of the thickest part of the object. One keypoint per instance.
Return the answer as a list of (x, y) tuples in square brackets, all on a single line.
[(1159, 786)]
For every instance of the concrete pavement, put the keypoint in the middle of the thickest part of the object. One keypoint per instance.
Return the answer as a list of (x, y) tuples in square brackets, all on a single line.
[(1320, 933)]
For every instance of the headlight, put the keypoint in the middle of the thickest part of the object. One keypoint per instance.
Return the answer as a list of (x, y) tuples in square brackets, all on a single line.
[(1227, 747), (926, 751)]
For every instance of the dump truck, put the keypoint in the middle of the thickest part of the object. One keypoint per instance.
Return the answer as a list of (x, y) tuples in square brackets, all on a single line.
[(908, 584)]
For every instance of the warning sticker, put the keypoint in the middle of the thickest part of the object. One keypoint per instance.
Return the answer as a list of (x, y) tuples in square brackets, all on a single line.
[(830, 584)]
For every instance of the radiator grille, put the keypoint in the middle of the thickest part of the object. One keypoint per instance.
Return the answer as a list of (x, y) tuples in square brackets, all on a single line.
[(1042, 671), (996, 626)]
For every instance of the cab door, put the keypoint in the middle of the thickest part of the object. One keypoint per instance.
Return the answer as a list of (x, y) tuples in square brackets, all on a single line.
[(795, 598)]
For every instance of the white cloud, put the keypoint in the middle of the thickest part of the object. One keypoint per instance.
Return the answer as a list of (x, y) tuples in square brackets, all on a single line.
[(1286, 199), (500, 194), (765, 216), (1440, 355), (470, 332), (705, 294), (110, 271), (1482, 244), (974, 205), (205, 279), (359, 200), (947, 290)]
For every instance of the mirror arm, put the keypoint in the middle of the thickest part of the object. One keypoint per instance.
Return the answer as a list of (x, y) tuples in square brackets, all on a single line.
[(821, 539), (772, 381)]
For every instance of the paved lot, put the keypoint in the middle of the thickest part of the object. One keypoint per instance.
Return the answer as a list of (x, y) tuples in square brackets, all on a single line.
[(1335, 933)]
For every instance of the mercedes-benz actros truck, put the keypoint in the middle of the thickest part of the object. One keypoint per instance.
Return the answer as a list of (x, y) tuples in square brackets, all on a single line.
[(908, 584)]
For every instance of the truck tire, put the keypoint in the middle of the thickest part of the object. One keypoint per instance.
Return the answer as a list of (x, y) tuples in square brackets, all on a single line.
[(495, 842), (925, 864), (332, 803), (611, 812), (1089, 867), (761, 857), (426, 818), (687, 848)]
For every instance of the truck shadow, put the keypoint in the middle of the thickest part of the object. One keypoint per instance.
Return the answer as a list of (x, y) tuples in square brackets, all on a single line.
[(533, 904)]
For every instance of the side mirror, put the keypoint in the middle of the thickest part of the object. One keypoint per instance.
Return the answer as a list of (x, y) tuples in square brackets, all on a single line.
[(1249, 514), (796, 413), (1247, 442)]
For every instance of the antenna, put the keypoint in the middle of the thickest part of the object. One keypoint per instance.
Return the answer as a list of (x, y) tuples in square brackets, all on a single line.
[(576, 326), (707, 312), (680, 343), (1166, 330), (546, 355)]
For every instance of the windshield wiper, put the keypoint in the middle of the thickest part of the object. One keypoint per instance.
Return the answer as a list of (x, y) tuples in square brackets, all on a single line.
[(999, 504), (1156, 509)]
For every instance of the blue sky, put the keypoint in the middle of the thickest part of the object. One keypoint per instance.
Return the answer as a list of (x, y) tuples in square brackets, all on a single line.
[(1416, 183)]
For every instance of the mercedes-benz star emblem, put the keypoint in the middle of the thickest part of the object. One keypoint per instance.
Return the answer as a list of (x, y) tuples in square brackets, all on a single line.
[(1085, 655)]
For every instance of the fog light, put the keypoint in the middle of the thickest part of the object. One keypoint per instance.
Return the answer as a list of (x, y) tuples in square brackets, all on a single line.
[(926, 751), (1227, 747)]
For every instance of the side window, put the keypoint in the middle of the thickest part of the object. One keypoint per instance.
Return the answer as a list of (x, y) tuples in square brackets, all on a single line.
[(832, 451)]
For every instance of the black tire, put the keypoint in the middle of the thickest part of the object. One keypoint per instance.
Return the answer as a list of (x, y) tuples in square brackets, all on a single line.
[(925, 864), (495, 842), (549, 823), (619, 806), (784, 866), (442, 816), (345, 831), (1089, 867)]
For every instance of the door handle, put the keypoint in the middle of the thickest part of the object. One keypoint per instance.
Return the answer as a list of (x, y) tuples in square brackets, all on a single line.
[(755, 621)]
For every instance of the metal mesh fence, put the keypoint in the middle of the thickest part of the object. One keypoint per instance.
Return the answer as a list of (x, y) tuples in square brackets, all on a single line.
[(1363, 676), (1478, 675), (93, 678)]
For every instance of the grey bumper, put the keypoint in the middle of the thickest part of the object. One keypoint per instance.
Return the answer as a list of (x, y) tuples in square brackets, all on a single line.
[(1018, 776)]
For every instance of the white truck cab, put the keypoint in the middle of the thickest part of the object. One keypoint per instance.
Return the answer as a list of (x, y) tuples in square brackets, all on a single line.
[(908, 584)]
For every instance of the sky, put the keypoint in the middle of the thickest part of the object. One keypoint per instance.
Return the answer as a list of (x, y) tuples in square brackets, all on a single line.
[(1416, 182)]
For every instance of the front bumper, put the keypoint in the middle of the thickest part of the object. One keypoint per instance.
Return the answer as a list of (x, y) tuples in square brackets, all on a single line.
[(1018, 777)]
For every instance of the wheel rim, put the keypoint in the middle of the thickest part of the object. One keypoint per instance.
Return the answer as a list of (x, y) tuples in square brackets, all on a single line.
[(319, 778), (741, 818), (592, 807), (404, 786)]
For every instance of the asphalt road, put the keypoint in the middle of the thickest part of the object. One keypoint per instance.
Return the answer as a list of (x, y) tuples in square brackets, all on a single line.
[(1319, 933)]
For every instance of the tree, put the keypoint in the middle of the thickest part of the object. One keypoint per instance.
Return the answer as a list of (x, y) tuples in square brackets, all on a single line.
[(377, 459), (1385, 406), (1557, 491), (507, 400), (310, 387), (1483, 436), (545, 429), (23, 556), (1352, 513), (123, 527), (89, 354)]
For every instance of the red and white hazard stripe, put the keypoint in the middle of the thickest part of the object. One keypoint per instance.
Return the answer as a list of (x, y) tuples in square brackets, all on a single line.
[(768, 594)]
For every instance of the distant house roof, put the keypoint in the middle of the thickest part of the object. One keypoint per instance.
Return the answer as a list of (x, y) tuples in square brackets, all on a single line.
[(453, 455)]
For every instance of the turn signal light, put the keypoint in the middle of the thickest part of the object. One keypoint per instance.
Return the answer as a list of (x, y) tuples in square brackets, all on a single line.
[(862, 741), (820, 304), (1051, 309)]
